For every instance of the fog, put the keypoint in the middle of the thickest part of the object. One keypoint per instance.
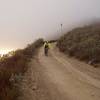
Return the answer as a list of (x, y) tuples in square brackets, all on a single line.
[(23, 21)]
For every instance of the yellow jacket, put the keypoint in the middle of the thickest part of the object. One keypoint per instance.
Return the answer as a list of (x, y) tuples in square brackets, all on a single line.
[(47, 44)]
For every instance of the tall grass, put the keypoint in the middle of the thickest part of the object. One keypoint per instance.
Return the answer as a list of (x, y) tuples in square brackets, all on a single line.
[(14, 65)]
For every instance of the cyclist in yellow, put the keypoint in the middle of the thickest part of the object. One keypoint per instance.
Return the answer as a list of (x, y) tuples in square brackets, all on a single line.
[(46, 48)]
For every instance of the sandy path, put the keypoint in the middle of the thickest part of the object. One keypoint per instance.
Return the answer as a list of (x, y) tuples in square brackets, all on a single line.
[(57, 77)]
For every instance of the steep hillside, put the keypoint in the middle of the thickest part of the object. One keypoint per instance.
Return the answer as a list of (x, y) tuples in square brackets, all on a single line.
[(82, 43)]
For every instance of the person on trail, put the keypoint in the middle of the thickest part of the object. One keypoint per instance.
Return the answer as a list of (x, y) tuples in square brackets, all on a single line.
[(46, 48)]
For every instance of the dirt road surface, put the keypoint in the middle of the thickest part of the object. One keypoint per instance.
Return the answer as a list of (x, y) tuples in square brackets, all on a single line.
[(58, 77)]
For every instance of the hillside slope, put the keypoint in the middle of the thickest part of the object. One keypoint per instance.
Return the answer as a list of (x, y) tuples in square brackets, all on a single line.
[(82, 43), (12, 67)]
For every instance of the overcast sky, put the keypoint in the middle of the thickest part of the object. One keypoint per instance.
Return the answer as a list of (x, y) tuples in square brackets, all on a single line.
[(23, 21)]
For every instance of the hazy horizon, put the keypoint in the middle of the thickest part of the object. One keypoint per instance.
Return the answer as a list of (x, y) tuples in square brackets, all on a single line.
[(23, 21)]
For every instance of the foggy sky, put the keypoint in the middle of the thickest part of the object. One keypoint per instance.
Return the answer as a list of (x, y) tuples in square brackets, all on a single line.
[(23, 21)]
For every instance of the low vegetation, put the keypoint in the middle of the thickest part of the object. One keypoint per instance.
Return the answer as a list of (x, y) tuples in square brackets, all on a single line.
[(15, 65), (82, 43)]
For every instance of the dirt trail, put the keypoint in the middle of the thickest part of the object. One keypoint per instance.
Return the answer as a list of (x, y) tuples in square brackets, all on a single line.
[(58, 77)]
